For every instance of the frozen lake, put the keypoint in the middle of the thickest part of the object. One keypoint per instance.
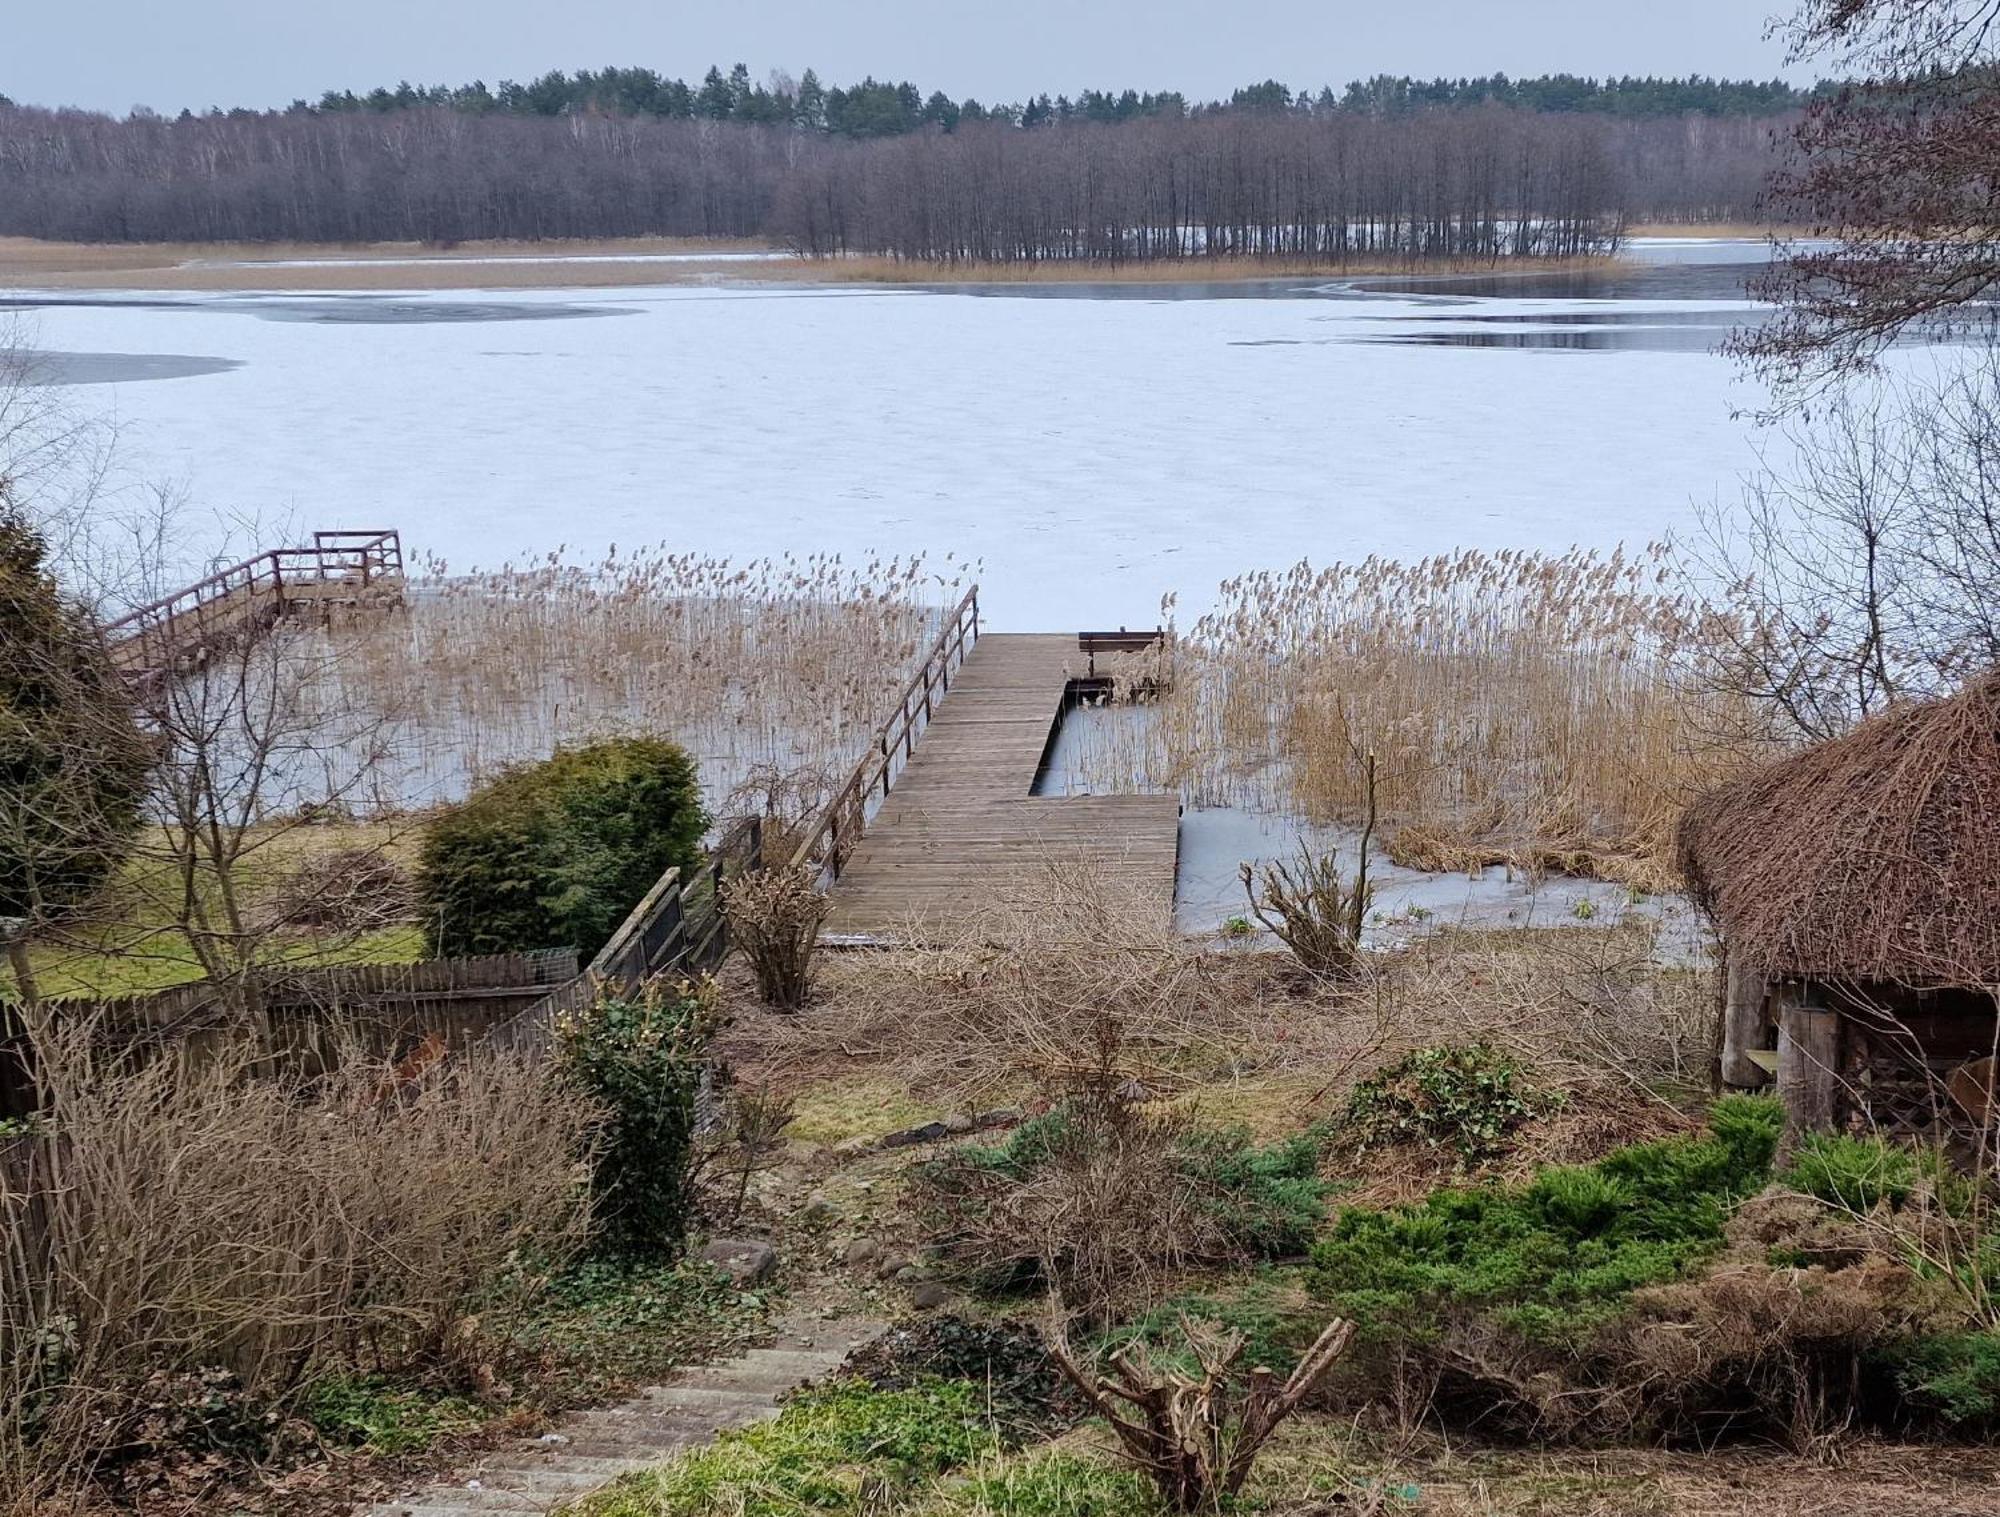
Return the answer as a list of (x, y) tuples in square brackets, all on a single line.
[(1095, 446)]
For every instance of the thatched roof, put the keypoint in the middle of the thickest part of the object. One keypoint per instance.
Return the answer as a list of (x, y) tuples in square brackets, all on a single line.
[(1872, 857)]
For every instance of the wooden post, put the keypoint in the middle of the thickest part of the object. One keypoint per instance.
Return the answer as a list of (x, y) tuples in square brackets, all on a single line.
[(1808, 1062), (1743, 1026)]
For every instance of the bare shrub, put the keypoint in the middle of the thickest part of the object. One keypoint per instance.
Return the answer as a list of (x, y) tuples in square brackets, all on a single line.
[(1312, 909), (1111, 1194), (1197, 1435), (184, 1215), (775, 916), (1109, 1212), (785, 801), (343, 890)]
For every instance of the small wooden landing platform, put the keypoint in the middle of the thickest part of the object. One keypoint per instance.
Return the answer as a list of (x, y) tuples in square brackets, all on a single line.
[(960, 839)]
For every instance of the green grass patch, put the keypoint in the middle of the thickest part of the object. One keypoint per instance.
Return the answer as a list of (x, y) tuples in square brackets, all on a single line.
[(1558, 1256), (103, 963), (832, 1110), (1049, 1483), (843, 1448), (376, 1414), (128, 944), (607, 1322)]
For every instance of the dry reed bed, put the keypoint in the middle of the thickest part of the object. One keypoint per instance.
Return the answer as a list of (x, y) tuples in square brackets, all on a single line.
[(757, 669), (1523, 707)]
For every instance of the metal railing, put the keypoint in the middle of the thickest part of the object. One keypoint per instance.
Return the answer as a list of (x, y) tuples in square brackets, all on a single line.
[(839, 825)]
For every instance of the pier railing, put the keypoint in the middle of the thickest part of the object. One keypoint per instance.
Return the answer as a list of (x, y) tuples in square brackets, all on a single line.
[(256, 592), (833, 834)]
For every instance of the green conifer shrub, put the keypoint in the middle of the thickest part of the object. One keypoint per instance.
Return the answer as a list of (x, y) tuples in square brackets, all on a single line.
[(556, 854)]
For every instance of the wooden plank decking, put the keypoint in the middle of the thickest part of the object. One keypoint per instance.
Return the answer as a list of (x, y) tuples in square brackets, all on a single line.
[(960, 837)]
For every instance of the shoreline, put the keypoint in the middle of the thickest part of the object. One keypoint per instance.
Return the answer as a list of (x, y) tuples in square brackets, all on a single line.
[(29, 264)]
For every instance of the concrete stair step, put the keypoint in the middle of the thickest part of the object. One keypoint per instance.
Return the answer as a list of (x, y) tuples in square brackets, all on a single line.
[(603, 1467), (594, 1448)]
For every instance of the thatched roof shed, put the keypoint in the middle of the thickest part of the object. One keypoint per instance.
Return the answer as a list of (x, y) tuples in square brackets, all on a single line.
[(1871, 858)]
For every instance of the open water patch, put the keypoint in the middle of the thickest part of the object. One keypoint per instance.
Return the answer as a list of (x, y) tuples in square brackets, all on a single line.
[(333, 310), (123, 368)]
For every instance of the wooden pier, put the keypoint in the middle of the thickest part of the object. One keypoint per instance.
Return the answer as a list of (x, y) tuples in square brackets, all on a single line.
[(959, 841), (180, 631)]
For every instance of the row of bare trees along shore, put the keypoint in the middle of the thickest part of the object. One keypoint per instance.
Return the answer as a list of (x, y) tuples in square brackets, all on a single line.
[(1482, 181)]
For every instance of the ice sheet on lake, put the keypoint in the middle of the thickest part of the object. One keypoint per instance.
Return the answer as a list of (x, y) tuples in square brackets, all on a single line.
[(1095, 454), (1217, 841)]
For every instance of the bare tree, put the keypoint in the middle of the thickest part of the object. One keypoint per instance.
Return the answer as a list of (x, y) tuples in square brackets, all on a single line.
[(251, 752), (1866, 569), (1896, 169)]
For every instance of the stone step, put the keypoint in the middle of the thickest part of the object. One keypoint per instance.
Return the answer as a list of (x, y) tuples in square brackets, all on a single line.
[(535, 1457), (460, 1498), (593, 1448), (545, 1478), (703, 1398)]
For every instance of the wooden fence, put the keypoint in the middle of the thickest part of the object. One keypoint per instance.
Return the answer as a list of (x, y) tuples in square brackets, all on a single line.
[(677, 929), (837, 829), (306, 1017)]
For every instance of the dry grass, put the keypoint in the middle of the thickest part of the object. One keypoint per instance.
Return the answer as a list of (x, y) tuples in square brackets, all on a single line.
[(28, 262), (1242, 1039), (1310, 1459), (195, 1216), (1520, 707), (1730, 229), (995, 1011), (758, 669)]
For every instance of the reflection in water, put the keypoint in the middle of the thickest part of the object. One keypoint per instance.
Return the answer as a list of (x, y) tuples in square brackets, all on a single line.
[(1592, 340)]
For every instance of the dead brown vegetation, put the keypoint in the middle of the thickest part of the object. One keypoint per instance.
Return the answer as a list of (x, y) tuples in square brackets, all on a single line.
[(1197, 1436), (199, 1216), (753, 668), (1021, 999), (1110, 1217), (1524, 707), (774, 917), (1869, 858)]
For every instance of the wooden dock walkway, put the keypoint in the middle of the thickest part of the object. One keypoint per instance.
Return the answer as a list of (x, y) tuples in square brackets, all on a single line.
[(961, 838), (180, 631)]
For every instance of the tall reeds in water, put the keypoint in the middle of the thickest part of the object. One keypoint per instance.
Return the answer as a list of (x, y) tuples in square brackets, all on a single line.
[(1522, 707), (760, 668)]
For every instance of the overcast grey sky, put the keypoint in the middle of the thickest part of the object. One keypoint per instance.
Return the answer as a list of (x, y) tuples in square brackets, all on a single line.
[(114, 54)]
